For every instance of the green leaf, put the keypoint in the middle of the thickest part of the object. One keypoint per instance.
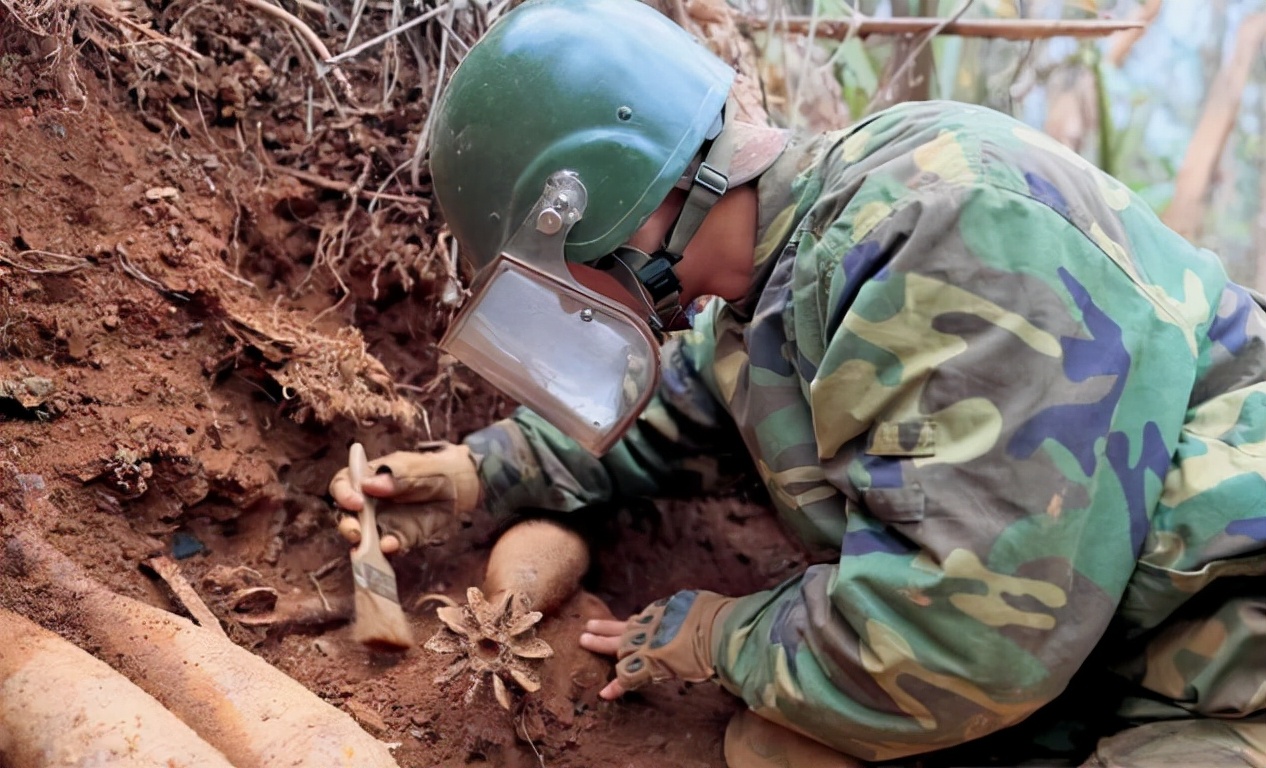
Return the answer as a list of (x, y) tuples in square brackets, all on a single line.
[(856, 66)]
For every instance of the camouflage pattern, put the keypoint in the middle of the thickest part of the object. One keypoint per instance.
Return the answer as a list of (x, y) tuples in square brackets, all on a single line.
[(1186, 743), (1017, 417)]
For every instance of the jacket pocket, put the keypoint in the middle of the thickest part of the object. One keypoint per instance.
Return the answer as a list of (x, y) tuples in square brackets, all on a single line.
[(893, 443)]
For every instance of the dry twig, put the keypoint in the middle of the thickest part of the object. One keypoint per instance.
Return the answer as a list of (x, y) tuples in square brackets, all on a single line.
[(132, 271), (1005, 29), (76, 262), (352, 53), (350, 190)]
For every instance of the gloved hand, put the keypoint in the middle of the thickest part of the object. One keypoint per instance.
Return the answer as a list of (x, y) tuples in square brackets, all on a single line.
[(429, 494), (671, 639)]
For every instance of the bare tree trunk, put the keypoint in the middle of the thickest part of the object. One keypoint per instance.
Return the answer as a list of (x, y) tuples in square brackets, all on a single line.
[(905, 80), (1185, 213), (1071, 110)]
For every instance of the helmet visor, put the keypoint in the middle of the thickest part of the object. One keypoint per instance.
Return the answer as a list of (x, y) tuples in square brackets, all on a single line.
[(581, 361)]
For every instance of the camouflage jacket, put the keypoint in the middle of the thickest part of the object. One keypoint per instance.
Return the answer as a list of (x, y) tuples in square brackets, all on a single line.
[(1024, 417)]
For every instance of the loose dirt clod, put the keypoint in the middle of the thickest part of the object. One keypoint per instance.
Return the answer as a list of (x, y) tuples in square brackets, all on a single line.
[(495, 640)]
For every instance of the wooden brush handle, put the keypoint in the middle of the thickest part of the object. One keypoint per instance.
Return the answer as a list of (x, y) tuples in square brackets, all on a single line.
[(358, 467)]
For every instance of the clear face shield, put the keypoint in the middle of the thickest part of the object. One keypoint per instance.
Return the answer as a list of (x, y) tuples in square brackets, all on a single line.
[(582, 361)]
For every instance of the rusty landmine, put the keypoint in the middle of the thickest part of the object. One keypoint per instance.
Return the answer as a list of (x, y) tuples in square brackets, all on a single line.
[(494, 639)]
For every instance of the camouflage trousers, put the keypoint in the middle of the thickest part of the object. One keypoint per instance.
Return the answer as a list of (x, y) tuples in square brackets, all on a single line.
[(1184, 743), (1208, 659), (751, 742)]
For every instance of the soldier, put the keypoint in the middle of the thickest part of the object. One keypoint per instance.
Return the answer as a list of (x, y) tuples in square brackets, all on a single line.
[(1020, 422)]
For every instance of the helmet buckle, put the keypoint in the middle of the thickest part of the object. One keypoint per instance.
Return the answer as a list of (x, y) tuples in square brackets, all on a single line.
[(711, 179)]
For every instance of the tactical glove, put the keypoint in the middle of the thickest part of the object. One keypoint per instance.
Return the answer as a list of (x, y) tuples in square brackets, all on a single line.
[(671, 639), (431, 493)]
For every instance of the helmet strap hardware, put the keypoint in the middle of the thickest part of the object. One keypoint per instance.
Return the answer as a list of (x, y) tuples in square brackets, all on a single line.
[(627, 265), (710, 183)]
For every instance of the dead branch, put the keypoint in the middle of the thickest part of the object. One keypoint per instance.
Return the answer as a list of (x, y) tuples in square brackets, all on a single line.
[(1122, 42), (1186, 211), (1003, 29), (339, 234)]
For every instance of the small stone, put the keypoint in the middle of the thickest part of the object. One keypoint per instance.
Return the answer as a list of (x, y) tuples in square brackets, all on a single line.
[(76, 345), (161, 193), (367, 717), (38, 386), (30, 392), (28, 483)]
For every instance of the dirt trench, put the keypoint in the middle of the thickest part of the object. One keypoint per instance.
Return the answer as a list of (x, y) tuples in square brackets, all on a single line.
[(181, 372)]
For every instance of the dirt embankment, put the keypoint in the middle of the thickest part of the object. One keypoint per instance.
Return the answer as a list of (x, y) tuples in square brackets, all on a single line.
[(190, 337)]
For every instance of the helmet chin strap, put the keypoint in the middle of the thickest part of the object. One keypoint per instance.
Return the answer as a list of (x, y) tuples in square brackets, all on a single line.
[(651, 274)]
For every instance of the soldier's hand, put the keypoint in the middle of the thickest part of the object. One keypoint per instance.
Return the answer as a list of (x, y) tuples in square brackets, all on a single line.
[(428, 494), (671, 639)]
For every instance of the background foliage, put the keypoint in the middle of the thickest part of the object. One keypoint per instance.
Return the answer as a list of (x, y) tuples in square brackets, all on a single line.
[(1134, 105)]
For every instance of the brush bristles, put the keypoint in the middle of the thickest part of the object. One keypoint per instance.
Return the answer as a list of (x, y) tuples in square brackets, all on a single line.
[(380, 623)]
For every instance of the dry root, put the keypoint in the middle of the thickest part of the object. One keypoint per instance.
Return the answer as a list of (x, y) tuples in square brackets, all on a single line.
[(495, 640)]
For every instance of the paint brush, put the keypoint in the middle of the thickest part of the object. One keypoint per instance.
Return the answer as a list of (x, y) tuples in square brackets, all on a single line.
[(380, 621)]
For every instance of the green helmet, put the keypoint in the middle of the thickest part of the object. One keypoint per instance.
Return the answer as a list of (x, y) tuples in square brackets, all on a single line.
[(611, 90)]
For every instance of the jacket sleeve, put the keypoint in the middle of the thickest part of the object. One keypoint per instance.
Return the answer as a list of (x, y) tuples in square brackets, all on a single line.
[(681, 444), (997, 404), (1197, 634)]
